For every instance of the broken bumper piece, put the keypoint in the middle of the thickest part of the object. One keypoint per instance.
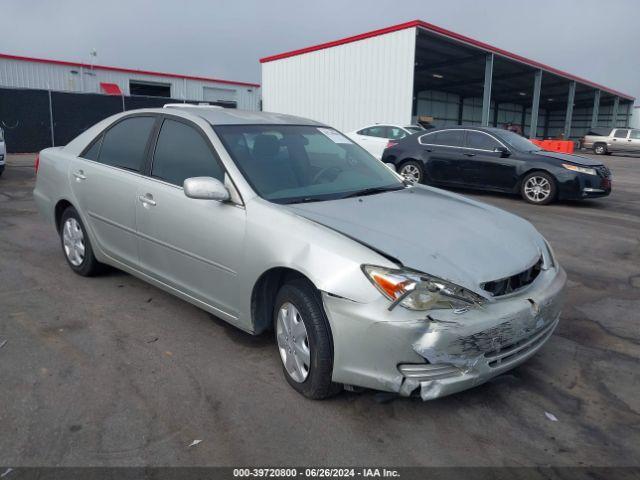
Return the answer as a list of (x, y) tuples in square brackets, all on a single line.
[(441, 352)]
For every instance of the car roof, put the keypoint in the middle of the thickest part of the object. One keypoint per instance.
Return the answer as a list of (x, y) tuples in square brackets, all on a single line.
[(232, 116), (469, 127)]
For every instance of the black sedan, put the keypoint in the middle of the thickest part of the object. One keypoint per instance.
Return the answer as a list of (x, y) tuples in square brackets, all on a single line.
[(496, 160)]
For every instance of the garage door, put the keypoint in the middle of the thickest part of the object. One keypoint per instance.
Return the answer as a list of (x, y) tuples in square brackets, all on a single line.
[(215, 94)]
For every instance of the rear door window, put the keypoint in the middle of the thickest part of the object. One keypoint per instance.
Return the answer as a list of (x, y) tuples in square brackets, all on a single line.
[(451, 138), (481, 141), (182, 152), (621, 133), (635, 134), (124, 145)]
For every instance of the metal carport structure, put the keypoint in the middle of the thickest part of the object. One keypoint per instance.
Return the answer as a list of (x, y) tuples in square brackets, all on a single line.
[(399, 73)]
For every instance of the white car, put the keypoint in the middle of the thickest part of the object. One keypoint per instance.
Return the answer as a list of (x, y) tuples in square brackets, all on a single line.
[(3, 152), (375, 138)]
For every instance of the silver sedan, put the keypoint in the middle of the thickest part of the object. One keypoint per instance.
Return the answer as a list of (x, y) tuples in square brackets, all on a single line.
[(276, 222)]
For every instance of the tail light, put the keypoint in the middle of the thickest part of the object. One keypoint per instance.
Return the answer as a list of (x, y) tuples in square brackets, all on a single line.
[(36, 164), (391, 143)]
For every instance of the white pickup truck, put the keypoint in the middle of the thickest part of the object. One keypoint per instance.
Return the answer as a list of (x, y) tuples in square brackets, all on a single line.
[(609, 140)]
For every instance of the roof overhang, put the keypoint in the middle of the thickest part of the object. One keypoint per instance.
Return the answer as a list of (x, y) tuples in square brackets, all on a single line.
[(471, 45)]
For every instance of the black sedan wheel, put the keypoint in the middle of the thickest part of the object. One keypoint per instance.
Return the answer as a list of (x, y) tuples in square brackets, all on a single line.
[(412, 171), (538, 188)]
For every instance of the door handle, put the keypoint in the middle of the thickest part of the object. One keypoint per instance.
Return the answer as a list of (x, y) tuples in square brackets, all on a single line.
[(147, 200), (79, 175), (470, 154)]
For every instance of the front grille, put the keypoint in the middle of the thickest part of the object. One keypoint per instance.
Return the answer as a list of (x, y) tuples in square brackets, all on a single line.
[(515, 282), (603, 171), (512, 352)]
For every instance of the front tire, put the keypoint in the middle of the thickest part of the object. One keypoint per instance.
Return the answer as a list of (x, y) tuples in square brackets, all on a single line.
[(538, 188), (412, 171), (304, 342), (76, 245), (600, 149)]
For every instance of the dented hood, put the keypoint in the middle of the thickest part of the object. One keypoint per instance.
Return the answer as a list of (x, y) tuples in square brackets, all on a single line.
[(435, 232)]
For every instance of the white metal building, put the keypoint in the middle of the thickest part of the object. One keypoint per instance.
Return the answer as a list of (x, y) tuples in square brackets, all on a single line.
[(400, 73), (635, 117), (38, 73)]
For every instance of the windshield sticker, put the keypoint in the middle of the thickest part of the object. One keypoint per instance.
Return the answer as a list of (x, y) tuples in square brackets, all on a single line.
[(334, 136)]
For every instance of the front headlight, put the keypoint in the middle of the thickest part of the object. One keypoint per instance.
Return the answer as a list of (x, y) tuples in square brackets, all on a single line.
[(418, 291), (575, 168)]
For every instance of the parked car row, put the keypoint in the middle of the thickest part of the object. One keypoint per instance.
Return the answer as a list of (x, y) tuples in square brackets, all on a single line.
[(273, 221)]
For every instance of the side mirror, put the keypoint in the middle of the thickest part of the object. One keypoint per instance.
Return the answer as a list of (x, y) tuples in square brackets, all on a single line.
[(391, 166), (205, 188), (503, 151)]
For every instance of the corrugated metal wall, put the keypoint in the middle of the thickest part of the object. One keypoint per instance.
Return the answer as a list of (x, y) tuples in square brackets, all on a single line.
[(49, 76), (347, 86), (445, 109), (581, 120)]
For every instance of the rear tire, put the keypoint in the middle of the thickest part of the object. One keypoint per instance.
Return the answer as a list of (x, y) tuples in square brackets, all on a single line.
[(76, 245), (538, 188), (412, 171), (600, 149), (304, 340)]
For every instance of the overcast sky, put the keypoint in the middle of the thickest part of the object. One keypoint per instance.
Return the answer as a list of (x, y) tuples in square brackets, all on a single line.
[(593, 39)]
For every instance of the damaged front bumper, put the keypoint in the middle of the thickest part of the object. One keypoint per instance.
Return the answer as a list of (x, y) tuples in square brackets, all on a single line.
[(440, 352)]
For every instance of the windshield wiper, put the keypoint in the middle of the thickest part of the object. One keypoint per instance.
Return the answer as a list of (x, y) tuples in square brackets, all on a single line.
[(289, 201), (372, 191)]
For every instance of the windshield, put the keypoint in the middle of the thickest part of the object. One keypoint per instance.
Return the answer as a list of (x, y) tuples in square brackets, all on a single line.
[(414, 128), (290, 163), (1, 135), (518, 142)]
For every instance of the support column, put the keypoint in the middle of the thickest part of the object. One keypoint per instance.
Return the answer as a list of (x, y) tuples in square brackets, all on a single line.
[(496, 109), (569, 116), (547, 114), (460, 110), (596, 109), (53, 137), (486, 98), (628, 119), (535, 104), (614, 113)]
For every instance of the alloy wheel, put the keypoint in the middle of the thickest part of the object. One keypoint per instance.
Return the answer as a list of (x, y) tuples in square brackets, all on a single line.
[(293, 342), (73, 241), (411, 173), (537, 189)]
